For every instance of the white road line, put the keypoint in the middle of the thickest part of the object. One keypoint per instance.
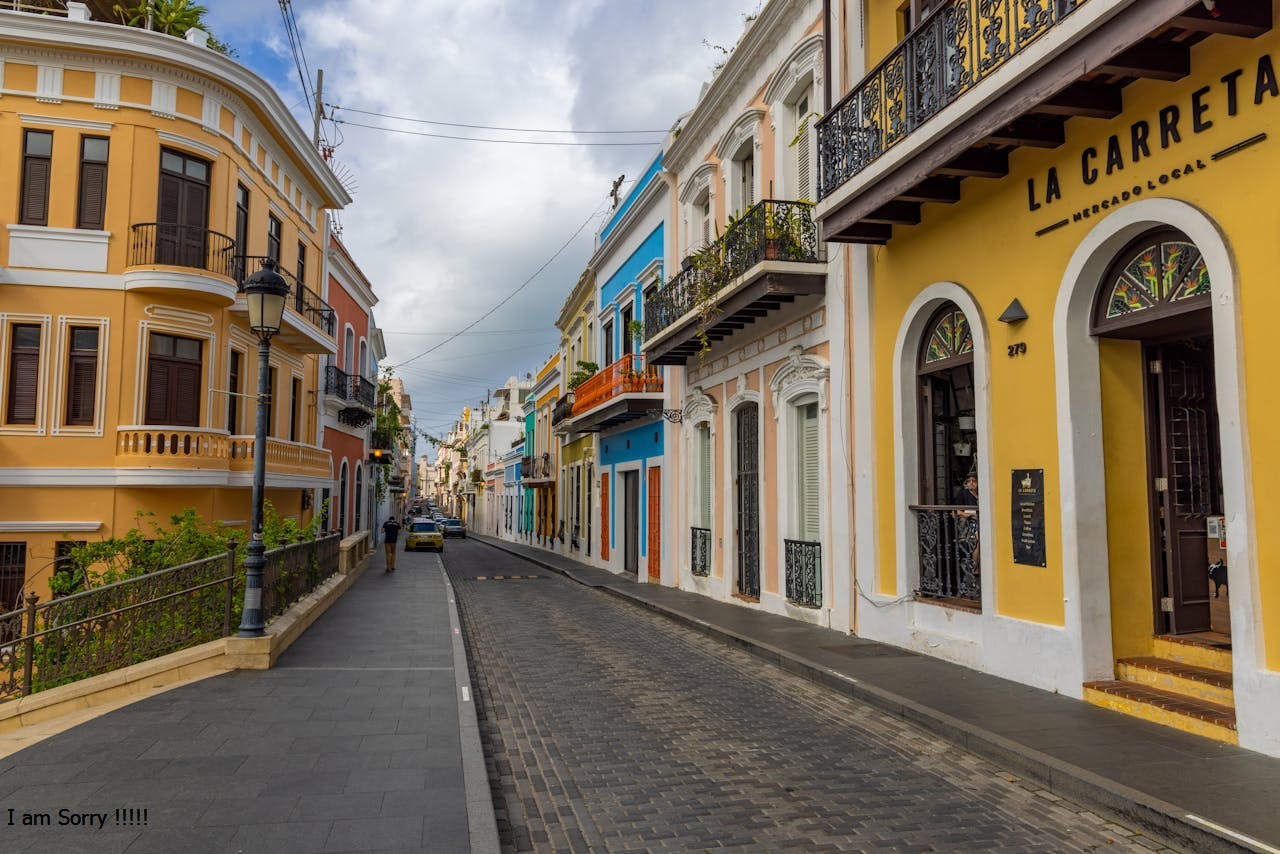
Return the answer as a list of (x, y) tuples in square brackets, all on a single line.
[(1256, 844), (466, 694)]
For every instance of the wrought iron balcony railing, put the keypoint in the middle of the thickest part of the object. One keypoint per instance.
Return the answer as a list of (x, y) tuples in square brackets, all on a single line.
[(700, 551), (952, 50), (626, 376), (949, 567), (563, 409), (302, 299), (345, 386), (771, 230), (804, 572), (170, 244)]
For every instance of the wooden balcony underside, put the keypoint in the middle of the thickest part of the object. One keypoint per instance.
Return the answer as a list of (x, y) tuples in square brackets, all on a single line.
[(1150, 39), (755, 300)]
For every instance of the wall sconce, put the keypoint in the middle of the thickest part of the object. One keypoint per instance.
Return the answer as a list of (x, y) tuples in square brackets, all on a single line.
[(1015, 313)]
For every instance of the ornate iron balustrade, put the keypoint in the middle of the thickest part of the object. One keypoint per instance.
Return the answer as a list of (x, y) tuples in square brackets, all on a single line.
[(771, 230), (293, 571), (563, 409), (356, 391), (302, 299), (949, 543), (628, 375), (116, 625), (804, 572), (364, 391), (953, 49), (337, 382), (170, 244), (700, 551)]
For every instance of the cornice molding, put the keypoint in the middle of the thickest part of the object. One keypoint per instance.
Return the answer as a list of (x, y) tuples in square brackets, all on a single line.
[(804, 58), (57, 121)]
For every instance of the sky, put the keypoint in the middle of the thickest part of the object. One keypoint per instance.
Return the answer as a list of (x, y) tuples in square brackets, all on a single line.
[(445, 229)]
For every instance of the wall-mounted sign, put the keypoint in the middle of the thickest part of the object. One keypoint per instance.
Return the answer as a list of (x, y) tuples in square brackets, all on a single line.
[(1028, 517)]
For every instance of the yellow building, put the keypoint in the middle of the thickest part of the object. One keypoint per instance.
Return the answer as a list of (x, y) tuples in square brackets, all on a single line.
[(543, 466), (148, 176), (576, 450), (1072, 211)]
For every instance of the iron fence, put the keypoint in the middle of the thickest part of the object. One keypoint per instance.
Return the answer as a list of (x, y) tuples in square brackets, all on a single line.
[(948, 537), (804, 572), (167, 243), (700, 551), (293, 571)]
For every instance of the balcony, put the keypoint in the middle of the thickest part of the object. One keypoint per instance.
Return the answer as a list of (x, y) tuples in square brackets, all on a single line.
[(803, 564), (191, 456), (910, 131), (540, 470), (309, 322), (622, 392), (769, 257), (948, 538), (563, 409), (171, 257), (350, 398)]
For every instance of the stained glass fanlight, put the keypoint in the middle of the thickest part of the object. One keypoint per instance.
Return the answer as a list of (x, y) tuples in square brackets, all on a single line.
[(1166, 273), (949, 339)]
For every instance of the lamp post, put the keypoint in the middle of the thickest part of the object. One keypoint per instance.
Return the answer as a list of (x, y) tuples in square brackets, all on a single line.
[(265, 293)]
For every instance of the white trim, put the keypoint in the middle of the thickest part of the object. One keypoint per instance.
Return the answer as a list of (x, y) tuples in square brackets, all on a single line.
[(698, 181), (207, 355), (146, 279), (60, 122), (15, 527), (185, 141), (803, 64), (44, 321), (1080, 444), (43, 248), (59, 386), (164, 99), (179, 315), (59, 279), (745, 127)]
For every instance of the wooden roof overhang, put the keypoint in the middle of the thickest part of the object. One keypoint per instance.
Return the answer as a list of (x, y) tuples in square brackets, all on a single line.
[(1149, 39)]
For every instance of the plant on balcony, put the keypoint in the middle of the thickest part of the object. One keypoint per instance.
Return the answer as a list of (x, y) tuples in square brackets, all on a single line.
[(636, 330), (584, 372)]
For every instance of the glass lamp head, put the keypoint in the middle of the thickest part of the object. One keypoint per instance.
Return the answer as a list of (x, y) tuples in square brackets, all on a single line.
[(264, 294)]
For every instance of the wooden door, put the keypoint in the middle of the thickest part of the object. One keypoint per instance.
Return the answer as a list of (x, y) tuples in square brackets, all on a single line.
[(604, 517), (1187, 483), (182, 211), (655, 524), (631, 521), (747, 489)]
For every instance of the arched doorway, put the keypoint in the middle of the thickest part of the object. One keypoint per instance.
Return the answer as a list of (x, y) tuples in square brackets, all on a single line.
[(342, 499), (947, 515), (1153, 317)]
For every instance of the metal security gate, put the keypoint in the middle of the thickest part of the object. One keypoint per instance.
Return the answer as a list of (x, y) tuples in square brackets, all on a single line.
[(747, 485)]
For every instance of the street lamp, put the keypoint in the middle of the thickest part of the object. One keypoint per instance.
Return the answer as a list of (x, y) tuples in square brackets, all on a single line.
[(264, 295)]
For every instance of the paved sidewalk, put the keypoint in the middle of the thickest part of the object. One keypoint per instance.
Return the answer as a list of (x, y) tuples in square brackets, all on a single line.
[(1210, 795), (360, 739)]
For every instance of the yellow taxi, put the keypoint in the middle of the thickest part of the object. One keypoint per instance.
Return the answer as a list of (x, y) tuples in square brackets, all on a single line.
[(424, 534)]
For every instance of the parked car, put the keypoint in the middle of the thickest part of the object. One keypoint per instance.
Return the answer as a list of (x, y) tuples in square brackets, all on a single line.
[(454, 528), (424, 534)]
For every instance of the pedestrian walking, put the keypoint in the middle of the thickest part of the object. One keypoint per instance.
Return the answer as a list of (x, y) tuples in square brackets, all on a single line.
[(390, 533)]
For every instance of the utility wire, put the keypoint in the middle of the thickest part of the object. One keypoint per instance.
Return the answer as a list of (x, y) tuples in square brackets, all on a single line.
[(480, 127), (649, 144), (509, 296), (475, 332)]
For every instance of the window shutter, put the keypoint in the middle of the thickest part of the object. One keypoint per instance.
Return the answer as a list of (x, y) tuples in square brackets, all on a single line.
[(35, 191), (24, 380), (706, 225), (169, 208), (808, 472), (93, 195), (704, 478), (158, 374), (804, 172), (82, 386), (185, 395)]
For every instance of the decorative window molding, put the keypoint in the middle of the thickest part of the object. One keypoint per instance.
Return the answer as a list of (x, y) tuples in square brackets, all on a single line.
[(800, 375), (44, 321), (201, 148), (59, 396), (58, 527), (698, 408), (208, 358), (743, 395), (60, 122), (745, 127), (179, 315), (698, 183), (802, 64)]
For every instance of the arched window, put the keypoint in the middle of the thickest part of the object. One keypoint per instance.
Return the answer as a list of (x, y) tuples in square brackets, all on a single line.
[(348, 350), (359, 498), (342, 499), (363, 368), (947, 515), (1159, 283)]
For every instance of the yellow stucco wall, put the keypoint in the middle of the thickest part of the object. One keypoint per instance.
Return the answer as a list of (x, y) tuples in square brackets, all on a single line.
[(987, 244)]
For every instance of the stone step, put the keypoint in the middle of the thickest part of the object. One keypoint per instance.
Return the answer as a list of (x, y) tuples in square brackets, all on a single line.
[(1194, 652), (1201, 717), (1200, 683)]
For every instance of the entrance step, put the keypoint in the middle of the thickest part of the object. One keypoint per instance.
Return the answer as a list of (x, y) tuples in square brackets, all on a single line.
[(1201, 683), (1189, 714), (1194, 650)]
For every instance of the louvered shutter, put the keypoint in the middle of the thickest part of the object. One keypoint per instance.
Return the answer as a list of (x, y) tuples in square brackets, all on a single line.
[(185, 390), (195, 218), (24, 374), (158, 382), (82, 386), (168, 212), (804, 169), (809, 498), (704, 475), (35, 191), (93, 195)]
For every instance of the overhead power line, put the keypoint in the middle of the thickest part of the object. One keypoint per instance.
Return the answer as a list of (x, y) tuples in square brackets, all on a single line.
[(481, 127), (473, 332), (648, 144)]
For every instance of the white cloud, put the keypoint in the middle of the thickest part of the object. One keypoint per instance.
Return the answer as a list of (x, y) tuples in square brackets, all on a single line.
[(445, 229)]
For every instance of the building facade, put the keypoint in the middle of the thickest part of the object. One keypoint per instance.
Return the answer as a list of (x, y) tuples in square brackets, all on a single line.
[(150, 176), (577, 450)]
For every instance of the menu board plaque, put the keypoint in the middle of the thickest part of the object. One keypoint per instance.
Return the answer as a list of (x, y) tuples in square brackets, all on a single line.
[(1028, 517)]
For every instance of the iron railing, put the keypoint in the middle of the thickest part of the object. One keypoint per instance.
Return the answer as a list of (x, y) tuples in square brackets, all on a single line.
[(526, 467), (338, 383), (771, 230), (700, 551), (563, 409), (102, 629), (804, 572), (302, 299), (167, 243), (953, 49), (949, 564)]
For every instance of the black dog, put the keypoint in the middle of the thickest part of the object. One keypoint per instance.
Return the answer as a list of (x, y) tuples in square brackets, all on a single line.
[(1218, 576)]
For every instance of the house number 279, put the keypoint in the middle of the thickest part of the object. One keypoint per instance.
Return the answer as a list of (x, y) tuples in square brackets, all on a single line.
[(1017, 349)]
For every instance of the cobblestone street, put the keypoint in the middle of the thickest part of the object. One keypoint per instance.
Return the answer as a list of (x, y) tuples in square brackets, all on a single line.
[(607, 727)]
